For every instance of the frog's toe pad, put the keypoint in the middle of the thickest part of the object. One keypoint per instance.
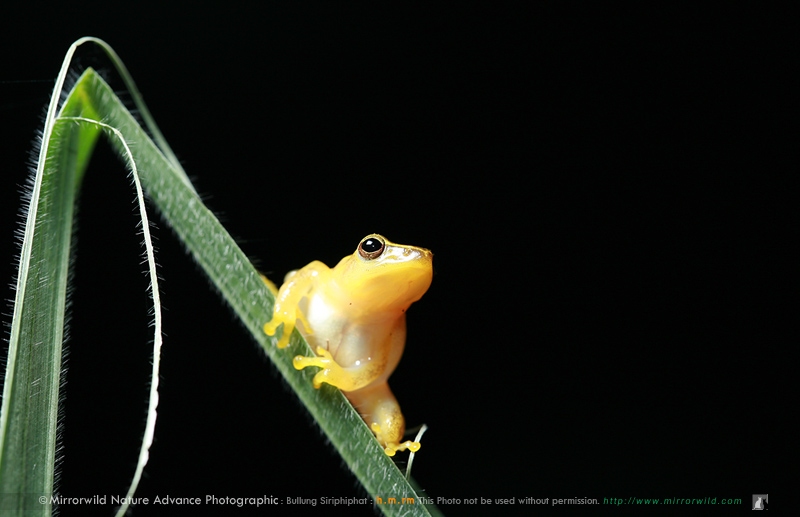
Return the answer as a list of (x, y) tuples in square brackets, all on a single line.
[(299, 362), (391, 448), (271, 328), (413, 446)]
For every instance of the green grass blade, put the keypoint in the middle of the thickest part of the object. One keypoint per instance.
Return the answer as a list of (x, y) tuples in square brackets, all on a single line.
[(28, 422), (28, 430)]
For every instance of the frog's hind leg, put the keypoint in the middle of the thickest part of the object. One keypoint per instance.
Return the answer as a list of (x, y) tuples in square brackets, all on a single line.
[(381, 412)]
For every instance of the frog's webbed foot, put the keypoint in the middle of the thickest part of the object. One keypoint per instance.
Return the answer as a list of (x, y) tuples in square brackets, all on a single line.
[(331, 372), (390, 448)]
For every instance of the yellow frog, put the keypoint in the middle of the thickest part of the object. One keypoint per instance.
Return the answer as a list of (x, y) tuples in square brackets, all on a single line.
[(354, 316)]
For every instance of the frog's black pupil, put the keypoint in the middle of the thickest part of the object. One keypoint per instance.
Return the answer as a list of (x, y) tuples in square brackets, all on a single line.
[(371, 245)]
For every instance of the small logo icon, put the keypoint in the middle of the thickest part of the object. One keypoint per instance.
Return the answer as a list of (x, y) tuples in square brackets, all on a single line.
[(760, 501)]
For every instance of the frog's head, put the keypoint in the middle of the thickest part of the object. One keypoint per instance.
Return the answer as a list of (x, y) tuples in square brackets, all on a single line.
[(381, 275)]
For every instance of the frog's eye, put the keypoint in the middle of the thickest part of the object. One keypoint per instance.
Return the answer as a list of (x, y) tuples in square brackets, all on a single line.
[(371, 247)]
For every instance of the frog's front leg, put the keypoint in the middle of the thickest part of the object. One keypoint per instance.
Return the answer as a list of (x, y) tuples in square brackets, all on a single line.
[(294, 289), (346, 379)]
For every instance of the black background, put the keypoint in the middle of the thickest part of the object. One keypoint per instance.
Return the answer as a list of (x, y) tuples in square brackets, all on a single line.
[(597, 184)]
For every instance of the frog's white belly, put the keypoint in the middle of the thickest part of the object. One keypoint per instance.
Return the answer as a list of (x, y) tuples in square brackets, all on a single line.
[(351, 342)]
